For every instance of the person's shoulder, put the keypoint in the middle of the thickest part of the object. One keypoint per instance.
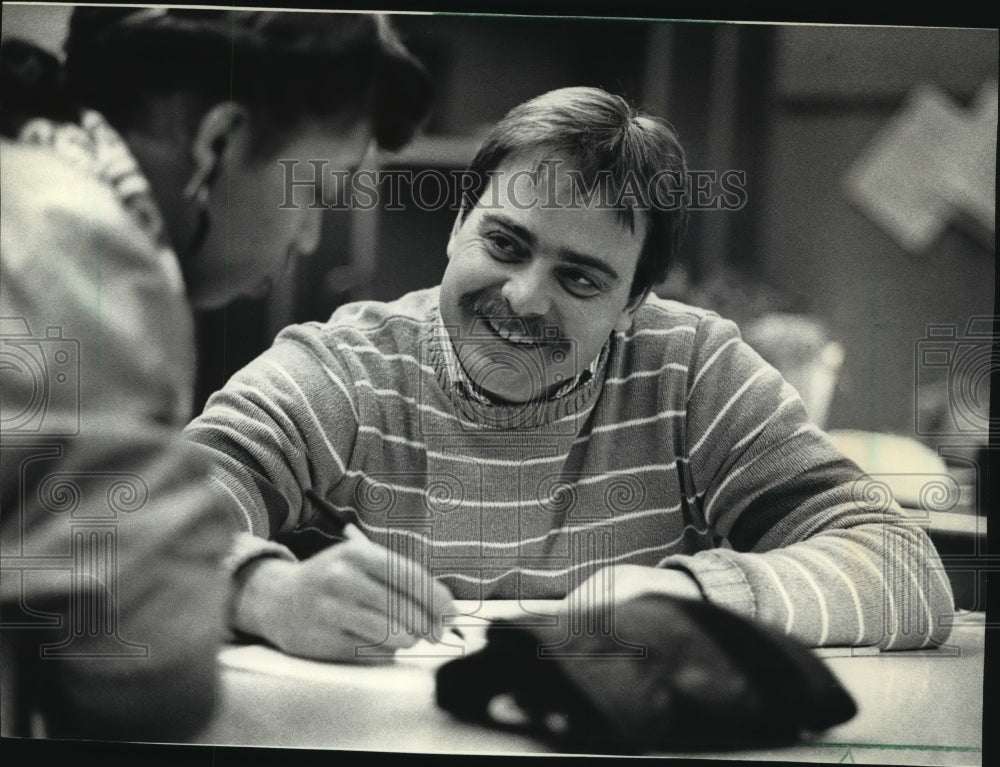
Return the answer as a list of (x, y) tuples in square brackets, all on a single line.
[(669, 327), (46, 197), (36, 180), (666, 314), (658, 312), (388, 327), (412, 310)]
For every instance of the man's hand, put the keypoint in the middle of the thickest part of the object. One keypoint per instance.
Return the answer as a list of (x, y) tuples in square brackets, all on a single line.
[(355, 601), (617, 583)]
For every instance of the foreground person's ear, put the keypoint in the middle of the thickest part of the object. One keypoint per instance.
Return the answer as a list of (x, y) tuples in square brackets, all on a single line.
[(221, 141)]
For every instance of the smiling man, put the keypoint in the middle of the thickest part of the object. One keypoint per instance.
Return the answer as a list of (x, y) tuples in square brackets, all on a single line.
[(542, 426), (531, 291)]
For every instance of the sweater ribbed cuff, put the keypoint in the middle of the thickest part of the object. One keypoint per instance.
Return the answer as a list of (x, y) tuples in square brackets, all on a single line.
[(722, 581)]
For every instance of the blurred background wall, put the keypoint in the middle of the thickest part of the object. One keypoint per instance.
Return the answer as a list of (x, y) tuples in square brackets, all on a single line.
[(832, 91), (797, 108)]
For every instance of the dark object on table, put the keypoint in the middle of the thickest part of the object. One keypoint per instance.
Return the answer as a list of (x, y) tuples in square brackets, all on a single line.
[(670, 674)]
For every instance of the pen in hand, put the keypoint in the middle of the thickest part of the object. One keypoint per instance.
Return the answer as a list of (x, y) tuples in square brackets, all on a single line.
[(343, 524)]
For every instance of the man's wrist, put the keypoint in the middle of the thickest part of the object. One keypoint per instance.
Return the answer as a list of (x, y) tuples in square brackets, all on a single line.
[(257, 590)]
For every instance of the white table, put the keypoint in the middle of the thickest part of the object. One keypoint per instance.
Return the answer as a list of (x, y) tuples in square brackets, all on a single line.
[(914, 707)]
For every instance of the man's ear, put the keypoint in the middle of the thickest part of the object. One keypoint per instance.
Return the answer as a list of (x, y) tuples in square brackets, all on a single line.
[(221, 142), (624, 321)]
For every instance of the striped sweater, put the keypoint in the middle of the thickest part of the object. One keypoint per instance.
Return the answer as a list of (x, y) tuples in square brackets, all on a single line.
[(685, 450)]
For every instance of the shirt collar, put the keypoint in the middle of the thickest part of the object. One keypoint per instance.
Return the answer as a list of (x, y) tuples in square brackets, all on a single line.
[(461, 382)]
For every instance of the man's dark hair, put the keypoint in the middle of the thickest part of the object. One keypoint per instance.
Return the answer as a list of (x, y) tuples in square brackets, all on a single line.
[(285, 67), (607, 141)]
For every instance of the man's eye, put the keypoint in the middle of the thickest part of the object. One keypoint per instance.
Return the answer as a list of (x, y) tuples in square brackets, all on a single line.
[(580, 284), (502, 247)]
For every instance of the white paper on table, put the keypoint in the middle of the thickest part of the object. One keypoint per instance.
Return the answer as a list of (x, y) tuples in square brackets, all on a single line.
[(261, 659)]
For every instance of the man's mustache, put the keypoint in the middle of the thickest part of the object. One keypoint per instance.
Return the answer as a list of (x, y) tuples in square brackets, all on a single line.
[(499, 312)]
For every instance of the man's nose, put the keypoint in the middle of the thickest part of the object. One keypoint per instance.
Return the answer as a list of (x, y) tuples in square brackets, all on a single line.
[(527, 291), (308, 233)]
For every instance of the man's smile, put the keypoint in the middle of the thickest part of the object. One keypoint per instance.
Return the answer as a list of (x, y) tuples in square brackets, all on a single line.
[(493, 317)]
